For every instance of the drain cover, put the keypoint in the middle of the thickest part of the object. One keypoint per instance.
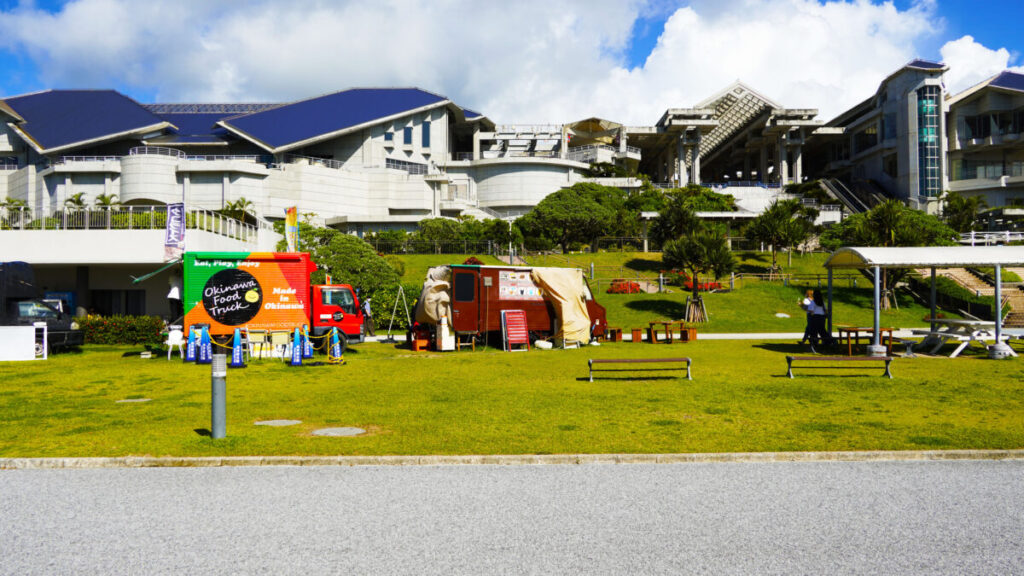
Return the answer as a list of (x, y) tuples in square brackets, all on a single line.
[(278, 422), (339, 432)]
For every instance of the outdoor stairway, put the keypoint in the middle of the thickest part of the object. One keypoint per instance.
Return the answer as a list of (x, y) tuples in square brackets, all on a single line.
[(1014, 296)]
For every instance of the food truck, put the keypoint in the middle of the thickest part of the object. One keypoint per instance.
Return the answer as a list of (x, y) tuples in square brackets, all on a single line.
[(266, 291), (470, 298)]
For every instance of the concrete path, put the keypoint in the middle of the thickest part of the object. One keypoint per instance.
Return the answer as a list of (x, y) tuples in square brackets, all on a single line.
[(960, 517)]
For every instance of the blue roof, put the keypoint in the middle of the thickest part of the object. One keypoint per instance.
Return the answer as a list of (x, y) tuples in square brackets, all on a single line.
[(197, 128), (1009, 80), (58, 118), (470, 113), (926, 64), (299, 121)]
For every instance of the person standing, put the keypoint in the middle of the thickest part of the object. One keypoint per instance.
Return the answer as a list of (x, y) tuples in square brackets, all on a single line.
[(174, 296), (807, 305), (819, 331), (368, 318)]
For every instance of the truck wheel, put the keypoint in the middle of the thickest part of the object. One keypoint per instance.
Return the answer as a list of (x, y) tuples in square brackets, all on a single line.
[(39, 348)]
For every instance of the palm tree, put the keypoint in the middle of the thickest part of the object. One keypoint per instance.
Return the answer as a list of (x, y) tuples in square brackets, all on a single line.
[(107, 201), (785, 224), (702, 251), (239, 208), (12, 206), (75, 201), (961, 212)]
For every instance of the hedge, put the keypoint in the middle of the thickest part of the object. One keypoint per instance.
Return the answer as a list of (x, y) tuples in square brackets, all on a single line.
[(122, 329)]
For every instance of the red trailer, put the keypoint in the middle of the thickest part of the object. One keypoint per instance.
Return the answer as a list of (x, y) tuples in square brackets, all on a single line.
[(476, 296)]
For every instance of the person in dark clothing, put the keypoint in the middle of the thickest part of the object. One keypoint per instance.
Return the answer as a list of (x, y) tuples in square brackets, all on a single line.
[(807, 305), (368, 318), (819, 331)]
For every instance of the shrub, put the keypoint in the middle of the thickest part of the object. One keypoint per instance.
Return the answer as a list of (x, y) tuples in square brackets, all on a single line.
[(122, 329), (473, 261)]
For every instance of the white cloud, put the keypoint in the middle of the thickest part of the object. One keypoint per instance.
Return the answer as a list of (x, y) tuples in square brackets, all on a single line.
[(970, 63), (514, 61)]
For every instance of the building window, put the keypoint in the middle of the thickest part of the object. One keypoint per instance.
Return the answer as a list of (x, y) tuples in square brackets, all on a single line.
[(389, 136), (929, 163), (407, 136), (865, 139), (890, 165), (426, 134)]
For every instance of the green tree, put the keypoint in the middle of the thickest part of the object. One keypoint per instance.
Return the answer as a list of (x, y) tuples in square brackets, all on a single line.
[(571, 215), (675, 220), (961, 212), (433, 232), (107, 201), (75, 201), (704, 250), (889, 224), (348, 259), (784, 224)]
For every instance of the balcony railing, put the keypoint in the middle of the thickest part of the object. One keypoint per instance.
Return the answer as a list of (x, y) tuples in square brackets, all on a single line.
[(977, 169), (156, 151), (527, 128), (7, 166), (325, 162), (67, 159), (125, 218)]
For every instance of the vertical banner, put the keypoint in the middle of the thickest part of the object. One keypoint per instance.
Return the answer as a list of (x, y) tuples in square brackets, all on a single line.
[(174, 235), (291, 228)]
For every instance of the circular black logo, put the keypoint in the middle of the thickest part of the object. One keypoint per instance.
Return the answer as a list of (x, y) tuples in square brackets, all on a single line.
[(232, 297)]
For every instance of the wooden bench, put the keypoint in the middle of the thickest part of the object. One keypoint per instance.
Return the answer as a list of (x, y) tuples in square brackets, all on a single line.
[(835, 359), (593, 361)]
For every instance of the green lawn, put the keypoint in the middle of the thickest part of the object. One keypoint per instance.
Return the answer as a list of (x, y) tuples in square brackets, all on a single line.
[(416, 265), (491, 402)]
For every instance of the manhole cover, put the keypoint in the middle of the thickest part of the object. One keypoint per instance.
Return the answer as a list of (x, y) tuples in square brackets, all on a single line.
[(278, 422), (126, 400), (339, 432)]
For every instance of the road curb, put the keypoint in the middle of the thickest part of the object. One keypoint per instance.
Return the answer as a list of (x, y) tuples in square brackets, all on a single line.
[(503, 460)]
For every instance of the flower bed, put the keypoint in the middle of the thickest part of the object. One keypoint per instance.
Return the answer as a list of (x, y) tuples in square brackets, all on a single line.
[(624, 287)]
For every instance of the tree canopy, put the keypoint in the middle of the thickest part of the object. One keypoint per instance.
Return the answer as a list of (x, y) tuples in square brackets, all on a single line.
[(961, 212), (785, 224), (348, 259), (581, 213)]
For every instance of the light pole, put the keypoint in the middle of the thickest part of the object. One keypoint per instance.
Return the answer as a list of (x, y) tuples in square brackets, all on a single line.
[(509, 242)]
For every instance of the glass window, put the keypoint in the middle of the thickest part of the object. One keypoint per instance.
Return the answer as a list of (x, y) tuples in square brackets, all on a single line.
[(389, 136), (407, 135), (340, 297), (33, 309), (426, 134), (465, 287)]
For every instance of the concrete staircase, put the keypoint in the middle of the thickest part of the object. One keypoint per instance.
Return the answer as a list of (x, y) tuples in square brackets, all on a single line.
[(1014, 295)]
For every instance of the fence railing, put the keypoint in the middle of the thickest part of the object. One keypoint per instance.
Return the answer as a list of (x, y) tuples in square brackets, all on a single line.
[(125, 218), (68, 159), (156, 151), (432, 247), (325, 162)]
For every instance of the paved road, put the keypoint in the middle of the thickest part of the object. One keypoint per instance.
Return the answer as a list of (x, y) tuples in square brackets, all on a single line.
[(735, 518)]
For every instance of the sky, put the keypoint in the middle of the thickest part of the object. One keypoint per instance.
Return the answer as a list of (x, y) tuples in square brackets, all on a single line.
[(523, 62)]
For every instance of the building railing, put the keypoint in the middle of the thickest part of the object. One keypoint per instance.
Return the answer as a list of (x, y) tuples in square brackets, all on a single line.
[(156, 151), (742, 183), (126, 218), (527, 128), (410, 167), (240, 157), (5, 166), (978, 169), (463, 156), (67, 159), (325, 162)]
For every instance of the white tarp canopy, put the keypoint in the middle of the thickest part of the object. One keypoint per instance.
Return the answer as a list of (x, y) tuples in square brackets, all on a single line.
[(563, 288), (435, 299), (926, 257)]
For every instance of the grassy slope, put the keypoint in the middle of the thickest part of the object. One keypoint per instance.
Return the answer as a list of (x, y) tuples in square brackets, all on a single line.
[(491, 402)]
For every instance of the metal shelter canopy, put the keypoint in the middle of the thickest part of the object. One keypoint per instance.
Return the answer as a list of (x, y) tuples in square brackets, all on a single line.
[(931, 257), (926, 257)]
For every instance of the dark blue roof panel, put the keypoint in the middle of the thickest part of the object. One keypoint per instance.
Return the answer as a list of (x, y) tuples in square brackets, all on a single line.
[(471, 114), (292, 123), (58, 118), (197, 124), (926, 64), (1009, 80)]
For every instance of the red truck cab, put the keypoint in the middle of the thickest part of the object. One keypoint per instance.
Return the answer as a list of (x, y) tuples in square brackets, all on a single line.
[(336, 306)]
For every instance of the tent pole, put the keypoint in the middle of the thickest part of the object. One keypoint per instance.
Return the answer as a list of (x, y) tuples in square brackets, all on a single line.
[(877, 349), (830, 300), (933, 300)]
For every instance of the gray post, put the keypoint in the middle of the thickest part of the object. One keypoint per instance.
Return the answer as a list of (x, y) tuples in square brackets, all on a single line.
[(218, 402), (877, 349), (933, 301), (999, 349), (829, 300), (592, 270)]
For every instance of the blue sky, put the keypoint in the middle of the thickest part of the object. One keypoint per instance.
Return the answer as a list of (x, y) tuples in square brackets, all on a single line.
[(527, 61)]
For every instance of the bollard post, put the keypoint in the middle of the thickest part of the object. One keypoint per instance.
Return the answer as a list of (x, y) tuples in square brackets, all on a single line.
[(218, 390)]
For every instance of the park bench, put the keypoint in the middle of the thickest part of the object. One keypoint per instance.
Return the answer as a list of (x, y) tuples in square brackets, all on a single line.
[(837, 360), (593, 361)]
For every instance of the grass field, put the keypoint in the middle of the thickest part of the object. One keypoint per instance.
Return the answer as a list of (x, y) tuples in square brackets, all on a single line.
[(490, 402)]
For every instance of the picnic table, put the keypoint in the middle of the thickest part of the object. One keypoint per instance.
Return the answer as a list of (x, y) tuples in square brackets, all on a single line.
[(962, 331), (853, 335)]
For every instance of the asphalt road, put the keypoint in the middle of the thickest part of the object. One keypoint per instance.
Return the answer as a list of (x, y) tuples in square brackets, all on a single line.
[(964, 517)]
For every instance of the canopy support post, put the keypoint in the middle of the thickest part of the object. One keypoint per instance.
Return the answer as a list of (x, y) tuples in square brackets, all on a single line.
[(932, 316), (876, 349), (1000, 349), (829, 301)]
